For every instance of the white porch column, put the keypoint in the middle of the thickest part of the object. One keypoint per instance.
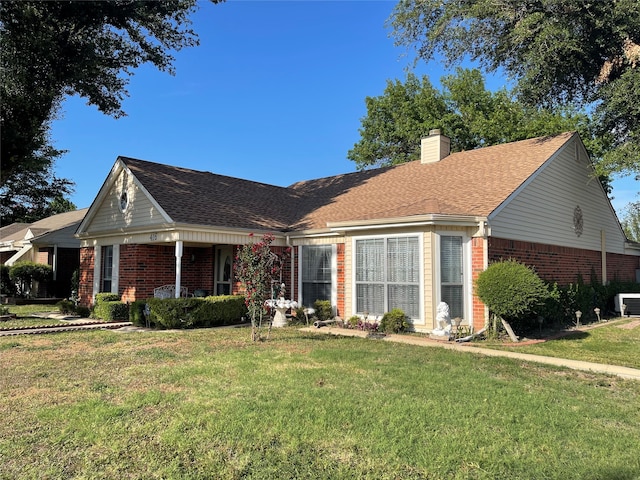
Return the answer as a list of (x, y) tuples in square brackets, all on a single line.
[(179, 248), (54, 262), (97, 270)]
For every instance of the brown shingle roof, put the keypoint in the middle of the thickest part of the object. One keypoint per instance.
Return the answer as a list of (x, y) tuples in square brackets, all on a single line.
[(471, 183), (203, 198)]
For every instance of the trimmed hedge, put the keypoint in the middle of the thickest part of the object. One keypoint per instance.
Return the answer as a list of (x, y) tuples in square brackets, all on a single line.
[(108, 307), (210, 311), (220, 310)]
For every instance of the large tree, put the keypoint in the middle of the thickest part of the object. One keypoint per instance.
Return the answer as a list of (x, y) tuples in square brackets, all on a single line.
[(558, 51), (57, 48), (464, 110)]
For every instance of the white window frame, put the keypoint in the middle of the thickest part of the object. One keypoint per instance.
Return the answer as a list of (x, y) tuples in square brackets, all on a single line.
[(334, 274), (354, 299), (467, 281)]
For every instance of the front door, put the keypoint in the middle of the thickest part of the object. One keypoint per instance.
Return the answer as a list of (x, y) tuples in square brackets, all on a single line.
[(224, 267)]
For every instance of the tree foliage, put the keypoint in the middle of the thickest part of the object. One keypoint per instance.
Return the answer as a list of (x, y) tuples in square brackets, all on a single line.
[(558, 51), (631, 222), (90, 49), (256, 267), (31, 196), (464, 110)]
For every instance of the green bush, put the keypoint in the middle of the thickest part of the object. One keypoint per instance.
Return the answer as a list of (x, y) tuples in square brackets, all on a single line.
[(173, 312), (106, 297), (25, 273), (219, 310), (323, 309), (136, 313), (394, 321), (512, 291), (111, 311), (197, 312), (83, 312), (352, 321), (66, 307)]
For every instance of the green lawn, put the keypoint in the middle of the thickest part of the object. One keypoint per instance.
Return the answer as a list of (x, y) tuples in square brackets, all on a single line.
[(209, 404), (607, 343)]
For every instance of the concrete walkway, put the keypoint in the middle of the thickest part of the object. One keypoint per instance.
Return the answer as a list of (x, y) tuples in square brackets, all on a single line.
[(624, 372)]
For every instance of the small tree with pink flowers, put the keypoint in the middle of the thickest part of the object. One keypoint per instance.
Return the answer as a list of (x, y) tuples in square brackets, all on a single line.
[(256, 266)]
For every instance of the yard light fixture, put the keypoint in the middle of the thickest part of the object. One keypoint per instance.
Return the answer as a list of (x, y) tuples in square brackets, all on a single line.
[(597, 312), (578, 315)]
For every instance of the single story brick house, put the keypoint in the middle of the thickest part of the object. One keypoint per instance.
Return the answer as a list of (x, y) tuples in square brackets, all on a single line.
[(406, 236)]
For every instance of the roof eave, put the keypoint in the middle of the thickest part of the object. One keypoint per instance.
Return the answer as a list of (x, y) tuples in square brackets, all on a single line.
[(412, 221)]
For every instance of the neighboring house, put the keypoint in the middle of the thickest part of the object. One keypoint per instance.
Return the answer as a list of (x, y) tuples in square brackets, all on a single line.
[(50, 241), (406, 236)]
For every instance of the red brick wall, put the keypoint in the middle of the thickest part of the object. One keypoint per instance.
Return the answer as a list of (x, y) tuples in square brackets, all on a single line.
[(477, 266), (563, 264), (85, 288), (145, 267)]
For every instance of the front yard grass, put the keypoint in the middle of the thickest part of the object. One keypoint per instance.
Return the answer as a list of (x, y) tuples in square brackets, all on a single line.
[(608, 343), (201, 404)]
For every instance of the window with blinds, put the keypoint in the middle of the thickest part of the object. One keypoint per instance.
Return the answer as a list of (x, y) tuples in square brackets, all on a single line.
[(388, 275), (316, 273), (452, 273), (107, 268)]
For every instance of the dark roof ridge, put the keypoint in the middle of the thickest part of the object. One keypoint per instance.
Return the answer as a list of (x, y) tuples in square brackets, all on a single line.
[(126, 160)]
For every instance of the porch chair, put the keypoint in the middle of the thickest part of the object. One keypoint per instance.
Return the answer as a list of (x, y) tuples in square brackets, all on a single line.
[(169, 291)]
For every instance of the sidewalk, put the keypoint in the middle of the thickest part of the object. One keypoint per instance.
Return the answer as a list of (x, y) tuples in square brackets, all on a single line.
[(624, 372), (71, 324)]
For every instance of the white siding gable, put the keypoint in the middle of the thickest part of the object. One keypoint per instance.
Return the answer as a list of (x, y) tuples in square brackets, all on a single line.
[(141, 211), (542, 210)]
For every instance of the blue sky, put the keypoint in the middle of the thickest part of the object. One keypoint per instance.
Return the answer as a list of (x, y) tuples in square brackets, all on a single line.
[(274, 93)]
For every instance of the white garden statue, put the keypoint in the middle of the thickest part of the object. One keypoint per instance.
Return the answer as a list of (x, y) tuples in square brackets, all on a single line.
[(443, 321)]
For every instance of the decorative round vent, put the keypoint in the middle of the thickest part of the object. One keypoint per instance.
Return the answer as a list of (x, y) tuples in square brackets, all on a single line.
[(578, 221)]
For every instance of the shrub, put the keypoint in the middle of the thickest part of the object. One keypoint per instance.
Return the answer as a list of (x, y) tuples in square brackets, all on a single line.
[(352, 322), (111, 311), (66, 307), (83, 312), (173, 312), (25, 273), (512, 291), (106, 297), (323, 309), (136, 313), (219, 310), (394, 321)]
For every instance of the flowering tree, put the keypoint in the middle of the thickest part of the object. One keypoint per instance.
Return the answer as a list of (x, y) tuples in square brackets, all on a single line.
[(256, 266)]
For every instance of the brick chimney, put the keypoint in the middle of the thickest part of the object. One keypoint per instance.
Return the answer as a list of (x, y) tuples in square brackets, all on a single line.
[(434, 147)]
